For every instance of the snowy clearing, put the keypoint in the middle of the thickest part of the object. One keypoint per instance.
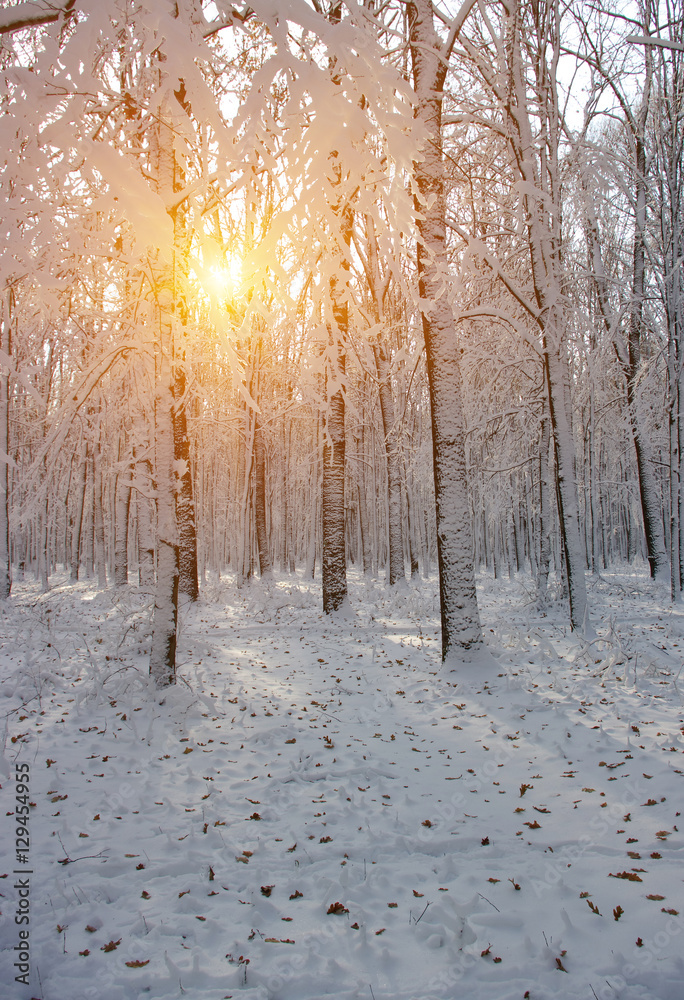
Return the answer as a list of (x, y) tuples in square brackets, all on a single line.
[(320, 809)]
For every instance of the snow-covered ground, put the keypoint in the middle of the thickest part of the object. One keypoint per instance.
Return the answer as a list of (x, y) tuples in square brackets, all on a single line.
[(320, 809)]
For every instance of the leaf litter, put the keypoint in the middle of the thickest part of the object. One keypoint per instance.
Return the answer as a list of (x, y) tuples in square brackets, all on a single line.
[(379, 774)]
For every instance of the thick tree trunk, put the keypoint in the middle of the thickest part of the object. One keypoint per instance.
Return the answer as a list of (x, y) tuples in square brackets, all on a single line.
[(243, 554), (265, 564), (43, 553), (89, 531), (544, 514), (393, 460), (631, 359), (313, 505), (334, 566), (145, 521), (537, 168), (650, 501), (165, 616), (333, 554), (286, 541), (122, 506), (364, 521), (185, 502), (77, 516), (98, 519), (675, 464), (568, 504), (458, 600)]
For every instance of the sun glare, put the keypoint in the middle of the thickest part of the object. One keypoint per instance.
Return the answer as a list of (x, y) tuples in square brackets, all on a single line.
[(226, 278)]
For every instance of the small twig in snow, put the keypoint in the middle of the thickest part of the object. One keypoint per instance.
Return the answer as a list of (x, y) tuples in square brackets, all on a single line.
[(489, 901), (423, 913)]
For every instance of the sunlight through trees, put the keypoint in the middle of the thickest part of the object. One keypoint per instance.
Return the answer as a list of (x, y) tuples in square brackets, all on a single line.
[(292, 287)]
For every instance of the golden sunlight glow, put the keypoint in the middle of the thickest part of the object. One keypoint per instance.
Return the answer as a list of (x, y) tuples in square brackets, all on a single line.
[(225, 278)]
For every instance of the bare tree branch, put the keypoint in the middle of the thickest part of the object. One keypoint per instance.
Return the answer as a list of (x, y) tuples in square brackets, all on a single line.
[(649, 40), (32, 14)]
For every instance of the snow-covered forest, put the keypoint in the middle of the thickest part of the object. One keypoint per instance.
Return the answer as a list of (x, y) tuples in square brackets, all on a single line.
[(359, 327)]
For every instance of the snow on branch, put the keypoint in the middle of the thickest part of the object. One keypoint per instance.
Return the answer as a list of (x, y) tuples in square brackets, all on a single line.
[(663, 43), (479, 248), (32, 14)]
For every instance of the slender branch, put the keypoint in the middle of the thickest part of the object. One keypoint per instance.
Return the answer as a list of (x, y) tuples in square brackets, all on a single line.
[(455, 29)]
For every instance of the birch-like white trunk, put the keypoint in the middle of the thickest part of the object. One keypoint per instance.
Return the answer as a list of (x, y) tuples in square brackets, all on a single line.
[(145, 521), (458, 600), (544, 514), (98, 517), (334, 554), (537, 167), (334, 563), (556, 368), (122, 506), (165, 616), (630, 355), (393, 459)]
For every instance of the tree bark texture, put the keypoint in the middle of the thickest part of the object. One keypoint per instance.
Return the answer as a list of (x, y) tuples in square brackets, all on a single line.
[(393, 459), (77, 516), (538, 172), (188, 583), (122, 506), (265, 564), (163, 313), (334, 566), (650, 501), (145, 520), (458, 599)]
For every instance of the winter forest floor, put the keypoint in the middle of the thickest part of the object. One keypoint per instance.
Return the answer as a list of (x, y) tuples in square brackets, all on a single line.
[(320, 809)]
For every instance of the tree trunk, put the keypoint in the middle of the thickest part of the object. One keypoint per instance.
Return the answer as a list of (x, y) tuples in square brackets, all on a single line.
[(630, 358), (43, 554), (243, 554), (265, 565), (122, 506), (145, 521), (650, 503), (286, 540), (77, 517), (568, 504), (165, 616), (538, 171), (675, 464), (98, 518), (334, 566), (185, 501), (393, 459), (544, 515), (333, 554), (458, 600)]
